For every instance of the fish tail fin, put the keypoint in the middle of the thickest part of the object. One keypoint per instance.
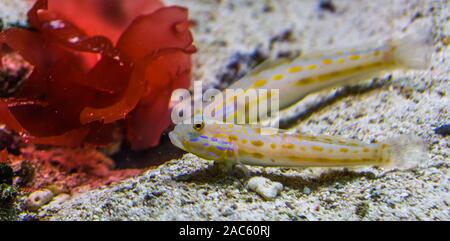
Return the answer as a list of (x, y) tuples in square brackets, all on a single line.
[(414, 49), (403, 152)]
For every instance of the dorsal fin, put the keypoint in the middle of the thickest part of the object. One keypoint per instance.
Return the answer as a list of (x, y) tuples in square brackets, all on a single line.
[(307, 55), (315, 52), (320, 53), (270, 64), (341, 140)]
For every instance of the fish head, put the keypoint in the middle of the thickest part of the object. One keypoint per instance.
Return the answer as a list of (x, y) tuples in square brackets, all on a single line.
[(198, 139)]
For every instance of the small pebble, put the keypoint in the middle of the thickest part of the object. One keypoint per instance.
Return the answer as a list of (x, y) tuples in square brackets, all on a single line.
[(443, 130), (265, 187), (327, 5), (39, 198), (306, 190)]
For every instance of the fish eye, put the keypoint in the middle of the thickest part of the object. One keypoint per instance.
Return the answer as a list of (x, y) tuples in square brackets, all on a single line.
[(199, 126)]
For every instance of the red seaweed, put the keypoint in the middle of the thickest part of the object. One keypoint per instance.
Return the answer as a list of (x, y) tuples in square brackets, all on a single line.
[(97, 65)]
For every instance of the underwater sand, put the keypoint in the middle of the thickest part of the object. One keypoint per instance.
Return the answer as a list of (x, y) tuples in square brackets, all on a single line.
[(233, 35)]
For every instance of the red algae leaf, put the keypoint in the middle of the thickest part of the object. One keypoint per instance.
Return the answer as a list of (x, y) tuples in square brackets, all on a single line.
[(42, 54), (55, 120), (157, 31), (109, 75), (146, 124), (3, 156), (33, 18), (171, 69), (108, 70), (116, 111), (8, 118), (66, 97), (151, 118), (55, 29), (73, 138), (107, 18), (29, 45), (82, 85)]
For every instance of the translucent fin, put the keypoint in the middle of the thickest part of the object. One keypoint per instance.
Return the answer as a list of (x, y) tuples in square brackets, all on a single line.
[(414, 49), (404, 152), (318, 53), (314, 54)]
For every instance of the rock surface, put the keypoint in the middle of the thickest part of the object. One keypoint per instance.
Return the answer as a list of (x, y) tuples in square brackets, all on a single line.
[(231, 35)]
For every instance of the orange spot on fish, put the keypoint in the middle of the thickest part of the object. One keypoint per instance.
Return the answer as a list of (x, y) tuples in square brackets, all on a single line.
[(288, 146), (327, 61), (312, 67), (260, 83), (345, 150), (295, 69), (278, 77), (354, 57), (317, 148), (258, 143)]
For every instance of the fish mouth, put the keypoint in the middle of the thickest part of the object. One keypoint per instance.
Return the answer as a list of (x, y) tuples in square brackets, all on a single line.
[(175, 140)]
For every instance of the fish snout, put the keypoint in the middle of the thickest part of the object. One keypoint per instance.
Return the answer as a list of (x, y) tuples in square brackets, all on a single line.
[(175, 139)]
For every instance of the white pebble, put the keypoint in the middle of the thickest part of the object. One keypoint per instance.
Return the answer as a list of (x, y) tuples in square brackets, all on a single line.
[(39, 198), (306, 190), (265, 187)]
